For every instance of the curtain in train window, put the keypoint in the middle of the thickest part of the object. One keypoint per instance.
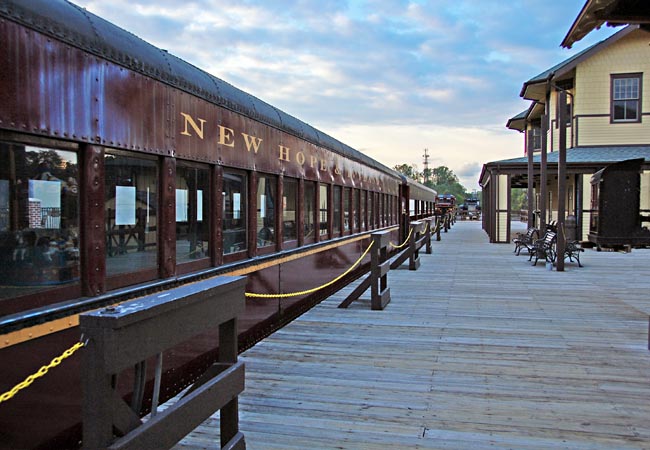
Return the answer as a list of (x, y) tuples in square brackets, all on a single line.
[(234, 212), (131, 204), (336, 215), (346, 209), (266, 228), (289, 209), (308, 210), (39, 219), (192, 212), (324, 212)]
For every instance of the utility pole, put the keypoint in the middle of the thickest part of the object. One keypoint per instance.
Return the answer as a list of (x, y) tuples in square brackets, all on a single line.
[(426, 165)]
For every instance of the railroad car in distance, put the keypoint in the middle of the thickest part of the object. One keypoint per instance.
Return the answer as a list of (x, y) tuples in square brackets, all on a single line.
[(125, 171)]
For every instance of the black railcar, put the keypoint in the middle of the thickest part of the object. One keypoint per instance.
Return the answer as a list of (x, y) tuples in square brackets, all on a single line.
[(125, 170), (616, 218)]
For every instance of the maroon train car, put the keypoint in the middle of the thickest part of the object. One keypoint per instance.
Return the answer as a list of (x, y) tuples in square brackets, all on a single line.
[(125, 170)]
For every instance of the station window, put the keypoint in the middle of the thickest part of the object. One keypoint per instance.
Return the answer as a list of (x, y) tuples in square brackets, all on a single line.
[(626, 98), (131, 204), (324, 212), (192, 212), (266, 210), (234, 212), (346, 209), (39, 219), (309, 210), (336, 214)]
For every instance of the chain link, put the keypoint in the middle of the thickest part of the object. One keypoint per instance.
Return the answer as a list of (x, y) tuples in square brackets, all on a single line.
[(41, 372)]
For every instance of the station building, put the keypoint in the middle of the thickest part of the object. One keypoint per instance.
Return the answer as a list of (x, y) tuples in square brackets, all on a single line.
[(607, 116)]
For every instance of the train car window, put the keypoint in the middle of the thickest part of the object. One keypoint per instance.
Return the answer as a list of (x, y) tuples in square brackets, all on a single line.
[(192, 212), (266, 229), (355, 210), (309, 211), (290, 209), (39, 219), (131, 204), (363, 222), (371, 210), (234, 212), (346, 209), (324, 210), (336, 214)]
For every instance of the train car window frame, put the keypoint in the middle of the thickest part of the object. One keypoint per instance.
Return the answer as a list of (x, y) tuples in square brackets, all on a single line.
[(337, 210), (266, 204), (290, 212), (234, 215), (309, 212), (194, 193), (40, 244), (355, 216), (347, 210), (132, 190), (324, 213)]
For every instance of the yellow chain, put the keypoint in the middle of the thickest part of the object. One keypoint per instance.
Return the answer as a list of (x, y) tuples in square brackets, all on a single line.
[(405, 240), (309, 291), (42, 371)]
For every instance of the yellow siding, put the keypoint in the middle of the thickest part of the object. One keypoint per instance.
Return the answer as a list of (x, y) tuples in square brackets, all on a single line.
[(630, 54)]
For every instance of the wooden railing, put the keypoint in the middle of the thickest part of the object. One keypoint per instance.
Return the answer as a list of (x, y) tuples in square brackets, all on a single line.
[(127, 335)]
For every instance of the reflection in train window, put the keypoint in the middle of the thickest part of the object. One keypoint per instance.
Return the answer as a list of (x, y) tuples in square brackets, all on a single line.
[(192, 212), (131, 204), (336, 214), (234, 212), (323, 216), (308, 211), (39, 219), (289, 209), (266, 210)]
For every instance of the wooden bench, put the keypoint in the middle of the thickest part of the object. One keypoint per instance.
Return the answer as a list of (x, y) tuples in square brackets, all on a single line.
[(544, 248), (525, 240)]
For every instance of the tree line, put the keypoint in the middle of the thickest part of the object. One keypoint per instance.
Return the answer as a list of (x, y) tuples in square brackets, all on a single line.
[(440, 178)]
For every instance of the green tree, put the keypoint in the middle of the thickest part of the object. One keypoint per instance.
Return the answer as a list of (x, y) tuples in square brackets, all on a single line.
[(410, 170)]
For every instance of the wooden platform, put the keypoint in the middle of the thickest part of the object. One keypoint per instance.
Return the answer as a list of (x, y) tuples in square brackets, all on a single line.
[(477, 349)]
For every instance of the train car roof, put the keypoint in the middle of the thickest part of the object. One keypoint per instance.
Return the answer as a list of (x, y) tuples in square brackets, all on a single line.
[(78, 27), (416, 185)]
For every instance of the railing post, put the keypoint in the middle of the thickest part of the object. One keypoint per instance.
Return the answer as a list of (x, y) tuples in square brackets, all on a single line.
[(438, 227), (380, 292), (414, 257), (377, 279), (429, 232)]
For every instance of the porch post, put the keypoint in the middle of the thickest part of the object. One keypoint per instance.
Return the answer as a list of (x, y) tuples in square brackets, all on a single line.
[(542, 175), (561, 184)]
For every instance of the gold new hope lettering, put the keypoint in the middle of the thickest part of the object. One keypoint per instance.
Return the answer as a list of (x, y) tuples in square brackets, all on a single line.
[(227, 138)]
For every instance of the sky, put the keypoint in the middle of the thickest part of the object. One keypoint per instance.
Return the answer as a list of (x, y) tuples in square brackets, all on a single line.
[(389, 78)]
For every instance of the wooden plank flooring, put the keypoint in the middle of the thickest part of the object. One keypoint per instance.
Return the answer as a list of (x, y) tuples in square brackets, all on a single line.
[(477, 349)]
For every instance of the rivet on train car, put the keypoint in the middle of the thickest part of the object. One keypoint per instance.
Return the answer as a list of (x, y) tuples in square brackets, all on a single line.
[(96, 269)]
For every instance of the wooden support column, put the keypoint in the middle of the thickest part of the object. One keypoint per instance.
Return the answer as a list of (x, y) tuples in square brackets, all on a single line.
[(543, 178), (561, 184)]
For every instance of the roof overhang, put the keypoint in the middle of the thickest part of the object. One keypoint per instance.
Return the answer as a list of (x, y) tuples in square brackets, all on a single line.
[(613, 12)]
